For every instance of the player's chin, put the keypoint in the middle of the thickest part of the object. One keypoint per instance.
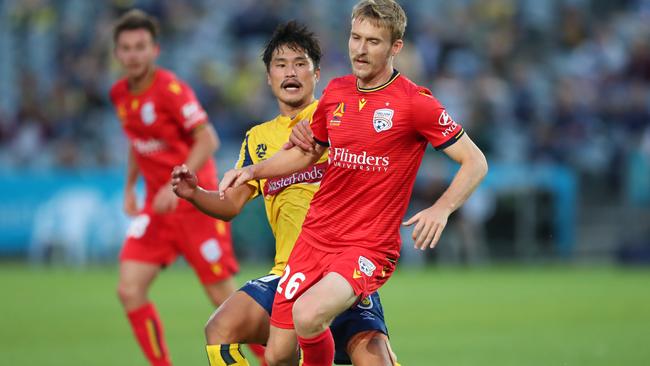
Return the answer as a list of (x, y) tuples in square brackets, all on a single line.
[(294, 100)]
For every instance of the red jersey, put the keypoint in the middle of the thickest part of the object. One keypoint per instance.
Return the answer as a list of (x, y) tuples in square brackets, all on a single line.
[(377, 138), (159, 123)]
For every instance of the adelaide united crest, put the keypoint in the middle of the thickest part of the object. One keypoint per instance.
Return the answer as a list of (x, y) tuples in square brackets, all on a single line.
[(382, 120)]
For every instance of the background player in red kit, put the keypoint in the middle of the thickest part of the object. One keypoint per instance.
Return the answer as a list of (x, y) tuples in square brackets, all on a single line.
[(377, 124), (166, 126)]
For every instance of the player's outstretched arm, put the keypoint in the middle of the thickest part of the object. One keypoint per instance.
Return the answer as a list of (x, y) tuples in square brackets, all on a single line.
[(430, 222), (301, 136), (185, 186), (283, 163)]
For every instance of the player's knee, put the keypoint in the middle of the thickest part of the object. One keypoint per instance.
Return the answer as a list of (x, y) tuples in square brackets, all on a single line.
[(309, 317), (221, 330), (129, 294), (276, 357), (371, 348)]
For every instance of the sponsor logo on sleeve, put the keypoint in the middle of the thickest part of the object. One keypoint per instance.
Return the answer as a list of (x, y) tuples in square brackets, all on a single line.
[(446, 121), (382, 120), (192, 113)]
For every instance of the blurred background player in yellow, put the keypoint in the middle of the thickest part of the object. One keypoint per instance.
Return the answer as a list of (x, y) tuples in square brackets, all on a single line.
[(292, 58), (166, 126)]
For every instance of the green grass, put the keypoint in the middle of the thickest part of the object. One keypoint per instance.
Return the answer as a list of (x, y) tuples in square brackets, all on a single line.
[(494, 316)]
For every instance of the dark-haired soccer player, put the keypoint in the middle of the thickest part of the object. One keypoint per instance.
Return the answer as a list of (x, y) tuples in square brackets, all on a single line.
[(292, 58), (377, 124), (166, 126)]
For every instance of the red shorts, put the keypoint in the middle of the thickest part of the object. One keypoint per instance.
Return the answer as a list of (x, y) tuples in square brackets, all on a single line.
[(206, 243), (365, 270)]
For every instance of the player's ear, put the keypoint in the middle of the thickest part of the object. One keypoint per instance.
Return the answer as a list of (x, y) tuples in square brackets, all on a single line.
[(397, 47), (157, 49), (268, 78), (317, 74)]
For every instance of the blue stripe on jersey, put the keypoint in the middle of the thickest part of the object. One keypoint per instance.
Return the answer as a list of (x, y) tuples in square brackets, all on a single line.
[(247, 156)]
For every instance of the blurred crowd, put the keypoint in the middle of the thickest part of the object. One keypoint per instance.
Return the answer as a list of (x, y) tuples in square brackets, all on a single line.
[(563, 81)]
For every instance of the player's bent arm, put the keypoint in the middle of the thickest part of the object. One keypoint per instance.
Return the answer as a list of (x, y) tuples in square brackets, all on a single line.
[(225, 209), (286, 162), (206, 142), (473, 168)]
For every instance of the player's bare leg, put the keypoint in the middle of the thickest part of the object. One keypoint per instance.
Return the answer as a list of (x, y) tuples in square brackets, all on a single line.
[(134, 282), (313, 313), (281, 347), (240, 319), (133, 287), (371, 348), (218, 292), (314, 310)]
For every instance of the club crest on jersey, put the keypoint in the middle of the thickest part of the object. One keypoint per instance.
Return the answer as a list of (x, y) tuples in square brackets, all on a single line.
[(260, 150), (148, 113), (382, 120), (366, 266), (337, 115)]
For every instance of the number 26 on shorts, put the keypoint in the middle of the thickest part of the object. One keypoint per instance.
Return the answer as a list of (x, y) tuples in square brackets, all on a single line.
[(292, 285)]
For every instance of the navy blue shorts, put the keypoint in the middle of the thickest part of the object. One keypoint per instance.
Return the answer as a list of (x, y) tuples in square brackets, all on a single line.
[(366, 315)]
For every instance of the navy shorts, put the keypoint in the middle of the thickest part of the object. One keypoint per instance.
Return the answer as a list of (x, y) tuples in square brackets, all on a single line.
[(365, 316)]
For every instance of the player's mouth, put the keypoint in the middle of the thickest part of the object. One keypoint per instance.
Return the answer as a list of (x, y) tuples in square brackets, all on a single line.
[(291, 85), (361, 61)]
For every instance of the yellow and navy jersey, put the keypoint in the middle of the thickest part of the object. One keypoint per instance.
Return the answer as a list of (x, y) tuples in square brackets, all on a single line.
[(286, 198)]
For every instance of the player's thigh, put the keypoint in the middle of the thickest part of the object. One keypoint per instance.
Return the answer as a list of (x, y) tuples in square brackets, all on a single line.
[(240, 319), (219, 291), (282, 346), (327, 298), (370, 348), (137, 275)]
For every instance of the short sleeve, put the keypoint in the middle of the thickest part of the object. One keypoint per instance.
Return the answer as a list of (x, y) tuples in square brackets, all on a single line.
[(183, 105), (319, 121), (245, 159), (433, 122)]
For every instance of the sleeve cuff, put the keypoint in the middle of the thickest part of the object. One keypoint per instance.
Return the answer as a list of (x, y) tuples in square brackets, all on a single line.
[(451, 141), (321, 143)]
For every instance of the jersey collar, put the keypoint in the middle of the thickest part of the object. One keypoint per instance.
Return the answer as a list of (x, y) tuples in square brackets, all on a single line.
[(382, 86)]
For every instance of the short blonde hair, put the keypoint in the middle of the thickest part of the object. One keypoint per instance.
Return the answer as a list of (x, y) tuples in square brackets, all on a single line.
[(383, 13)]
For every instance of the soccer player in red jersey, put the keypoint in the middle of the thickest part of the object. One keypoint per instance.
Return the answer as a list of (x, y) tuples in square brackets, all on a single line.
[(292, 58), (377, 124), (166, 126)]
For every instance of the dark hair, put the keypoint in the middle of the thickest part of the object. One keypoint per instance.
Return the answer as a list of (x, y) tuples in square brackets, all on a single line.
[(296, 36), (136, 19)]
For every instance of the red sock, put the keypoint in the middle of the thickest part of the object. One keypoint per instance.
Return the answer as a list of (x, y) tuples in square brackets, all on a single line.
[(318, 351), (258, 350), (148, 330)]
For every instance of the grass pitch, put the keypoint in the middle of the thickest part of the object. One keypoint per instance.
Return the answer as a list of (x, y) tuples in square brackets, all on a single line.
[(515, 316)]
